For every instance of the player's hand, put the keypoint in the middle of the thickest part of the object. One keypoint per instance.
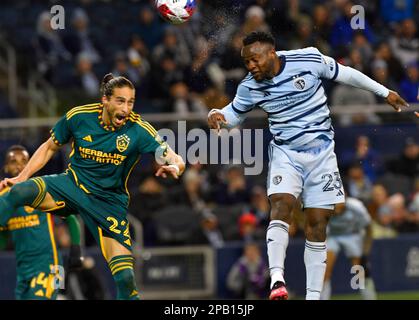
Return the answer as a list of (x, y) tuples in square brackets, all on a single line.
[(396, 101), (215, 119), (9, 182), (164, 171)]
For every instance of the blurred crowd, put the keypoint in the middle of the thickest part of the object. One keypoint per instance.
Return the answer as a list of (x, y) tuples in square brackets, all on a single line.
[(196, 66)]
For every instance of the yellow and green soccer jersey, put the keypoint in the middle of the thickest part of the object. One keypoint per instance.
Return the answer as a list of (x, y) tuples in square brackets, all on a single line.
[(32, 233), (103, 157)]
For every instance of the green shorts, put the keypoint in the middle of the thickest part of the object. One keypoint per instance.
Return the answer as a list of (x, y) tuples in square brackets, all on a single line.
[(103, 218), (38, 287)]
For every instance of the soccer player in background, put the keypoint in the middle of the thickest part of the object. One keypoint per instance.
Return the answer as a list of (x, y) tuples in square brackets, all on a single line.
[(287, 85), (349, 229), (32, 233), (107, 140)]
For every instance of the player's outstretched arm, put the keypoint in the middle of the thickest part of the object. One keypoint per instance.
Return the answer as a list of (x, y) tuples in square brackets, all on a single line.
[(39, 159), (355, 78), (174, 165)]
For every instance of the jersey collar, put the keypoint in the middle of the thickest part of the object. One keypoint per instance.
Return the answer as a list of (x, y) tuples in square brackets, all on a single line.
[(102, 123)]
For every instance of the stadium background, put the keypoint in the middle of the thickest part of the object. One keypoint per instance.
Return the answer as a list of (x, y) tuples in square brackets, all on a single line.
[(194, 230)]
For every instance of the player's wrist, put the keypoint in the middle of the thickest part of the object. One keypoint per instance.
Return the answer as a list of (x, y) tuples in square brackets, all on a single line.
[(176, 167)]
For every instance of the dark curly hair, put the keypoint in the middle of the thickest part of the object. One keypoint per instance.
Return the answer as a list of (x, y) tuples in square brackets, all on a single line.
[(259, 36)]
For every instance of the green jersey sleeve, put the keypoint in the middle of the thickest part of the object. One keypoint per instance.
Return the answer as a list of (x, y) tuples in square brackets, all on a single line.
[(150, 141), (61, 132)]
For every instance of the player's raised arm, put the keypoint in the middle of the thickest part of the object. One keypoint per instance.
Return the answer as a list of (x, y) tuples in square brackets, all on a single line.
[(39, 159), (332, 70)]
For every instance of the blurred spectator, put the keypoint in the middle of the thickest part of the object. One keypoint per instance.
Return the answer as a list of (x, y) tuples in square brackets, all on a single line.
[(321, 22), (359, 186), (234, 189), (260, 206), (342, 31), (122, 68), (410, 85), (249, 228), (163, 76), (150, 197), (78, 40), (137, 55), (378, 203), (366, 156), (249, 276), (192, 192), (173, 47), (231, 64), (50, 49), (414, 205), (209, 233), (397, 215), (197, 75), (384, 52), (85, 78), (184, 101), (380, 73), (150, 27), (364, 48), (405, 44), (407, 163), (343, 96), (254, 20), (396, 10), (215, 98), (304, 36), (84, 284)]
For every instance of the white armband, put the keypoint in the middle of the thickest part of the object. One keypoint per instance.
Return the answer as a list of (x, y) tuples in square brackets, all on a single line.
[(176, 167)]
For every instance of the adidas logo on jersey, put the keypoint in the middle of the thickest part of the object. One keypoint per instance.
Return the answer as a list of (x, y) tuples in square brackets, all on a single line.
[(88, 138)]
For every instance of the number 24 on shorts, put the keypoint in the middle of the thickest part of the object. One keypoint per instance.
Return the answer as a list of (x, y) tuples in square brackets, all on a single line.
[(114, 228)]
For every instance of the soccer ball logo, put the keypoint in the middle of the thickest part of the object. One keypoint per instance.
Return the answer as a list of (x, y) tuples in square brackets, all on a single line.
[(176, 11)]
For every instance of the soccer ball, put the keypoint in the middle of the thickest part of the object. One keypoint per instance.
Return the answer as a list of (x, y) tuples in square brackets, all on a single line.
[(176, 11)]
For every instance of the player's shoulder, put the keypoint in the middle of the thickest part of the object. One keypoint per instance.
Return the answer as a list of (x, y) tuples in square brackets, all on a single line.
[(247, 80), (303, 52), (91, 108), (141, 125)]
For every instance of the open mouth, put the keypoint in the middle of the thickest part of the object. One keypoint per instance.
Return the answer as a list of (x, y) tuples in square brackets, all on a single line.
[(119, 119)]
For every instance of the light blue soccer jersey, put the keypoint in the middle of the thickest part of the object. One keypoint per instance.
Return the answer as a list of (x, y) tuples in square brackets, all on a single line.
[(294, 99), (353, 220)]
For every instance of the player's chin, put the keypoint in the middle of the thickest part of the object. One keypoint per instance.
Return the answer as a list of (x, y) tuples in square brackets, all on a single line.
[(118, 122), (258, 77)]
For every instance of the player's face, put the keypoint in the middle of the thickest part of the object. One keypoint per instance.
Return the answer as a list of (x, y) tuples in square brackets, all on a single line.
[(259, 59), (15, 162), (119, 106)]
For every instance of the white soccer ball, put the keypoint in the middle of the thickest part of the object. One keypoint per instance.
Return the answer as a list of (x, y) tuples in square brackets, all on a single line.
[(176, 11)]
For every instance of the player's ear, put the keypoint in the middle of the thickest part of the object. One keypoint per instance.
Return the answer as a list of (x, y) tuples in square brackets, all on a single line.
[(105, 99)]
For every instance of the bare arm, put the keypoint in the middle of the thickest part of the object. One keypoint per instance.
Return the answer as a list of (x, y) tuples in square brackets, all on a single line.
[(174, 165), (39, 159)]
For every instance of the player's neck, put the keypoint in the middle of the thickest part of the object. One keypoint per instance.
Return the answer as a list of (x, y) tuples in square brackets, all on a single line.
[(278, 66), (106, 117)]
